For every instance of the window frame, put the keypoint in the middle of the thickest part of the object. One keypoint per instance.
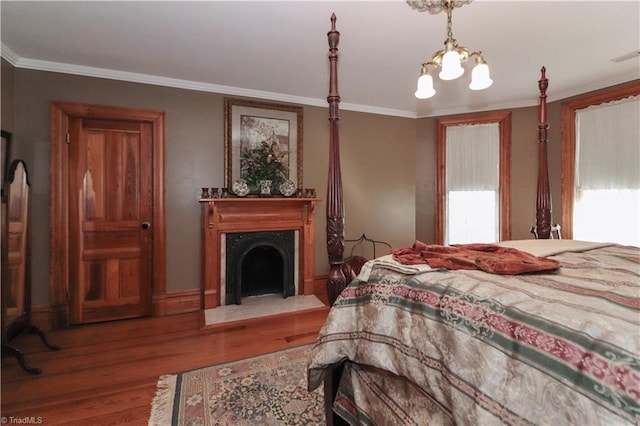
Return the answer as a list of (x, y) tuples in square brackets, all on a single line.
[(503, 118), (568, 137)]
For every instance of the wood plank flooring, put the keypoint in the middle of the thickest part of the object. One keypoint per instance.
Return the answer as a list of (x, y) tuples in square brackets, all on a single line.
[(106, 373)]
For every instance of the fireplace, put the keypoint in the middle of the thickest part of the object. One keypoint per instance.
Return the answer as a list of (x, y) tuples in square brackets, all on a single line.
[(258, 263), (275, 229)]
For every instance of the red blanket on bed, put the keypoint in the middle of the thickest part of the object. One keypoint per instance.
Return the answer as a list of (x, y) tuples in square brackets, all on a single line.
[(486, 257)]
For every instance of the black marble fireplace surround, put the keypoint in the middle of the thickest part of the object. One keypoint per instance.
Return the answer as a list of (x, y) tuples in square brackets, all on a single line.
[(259, 263)]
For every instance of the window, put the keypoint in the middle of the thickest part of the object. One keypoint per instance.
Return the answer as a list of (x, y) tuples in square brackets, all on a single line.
[(600, 166), (473, 163)]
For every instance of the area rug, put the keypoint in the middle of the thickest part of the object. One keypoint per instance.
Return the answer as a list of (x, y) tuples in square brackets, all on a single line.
[(268, 389)]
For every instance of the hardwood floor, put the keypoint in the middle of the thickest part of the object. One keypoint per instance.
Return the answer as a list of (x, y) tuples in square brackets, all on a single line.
[(106, 373)]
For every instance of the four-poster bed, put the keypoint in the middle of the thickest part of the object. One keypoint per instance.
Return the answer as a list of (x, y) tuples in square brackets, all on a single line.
[(335, 206), (408, 343)]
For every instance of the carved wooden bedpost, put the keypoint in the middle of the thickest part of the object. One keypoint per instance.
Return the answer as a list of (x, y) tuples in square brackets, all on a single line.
[(542, 228), (335, 207)]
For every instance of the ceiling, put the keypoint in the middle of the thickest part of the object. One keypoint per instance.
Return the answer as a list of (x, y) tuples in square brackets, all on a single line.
[(278, 50)]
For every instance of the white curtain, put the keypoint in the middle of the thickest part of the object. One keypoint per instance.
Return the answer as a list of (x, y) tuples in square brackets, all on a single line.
[(472, 170), (607, 175)]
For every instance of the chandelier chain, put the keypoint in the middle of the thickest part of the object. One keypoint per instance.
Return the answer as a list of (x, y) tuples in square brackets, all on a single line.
[(451, 58), (436, 6), (449, 24)]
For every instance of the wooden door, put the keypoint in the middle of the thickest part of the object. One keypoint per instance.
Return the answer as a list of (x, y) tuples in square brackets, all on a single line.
[(107, 180), (110, 219)]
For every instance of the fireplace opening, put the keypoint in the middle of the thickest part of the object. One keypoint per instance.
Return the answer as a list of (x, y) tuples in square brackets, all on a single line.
[(259, 263), (262, 272)]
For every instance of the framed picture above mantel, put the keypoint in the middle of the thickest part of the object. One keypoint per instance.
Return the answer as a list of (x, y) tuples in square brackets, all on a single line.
[(263, 141)]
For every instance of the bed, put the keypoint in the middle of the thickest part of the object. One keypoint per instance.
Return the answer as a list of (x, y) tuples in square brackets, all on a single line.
[(475, 337)]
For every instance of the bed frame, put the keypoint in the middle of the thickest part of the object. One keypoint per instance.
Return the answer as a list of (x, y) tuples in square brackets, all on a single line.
[(542, 228), (335, 206), (336, 280)]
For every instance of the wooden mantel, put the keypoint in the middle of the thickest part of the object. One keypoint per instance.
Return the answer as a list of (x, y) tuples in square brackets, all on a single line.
[(223, 215)]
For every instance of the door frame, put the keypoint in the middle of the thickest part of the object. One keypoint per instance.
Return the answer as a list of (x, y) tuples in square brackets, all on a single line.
[(61, 113)]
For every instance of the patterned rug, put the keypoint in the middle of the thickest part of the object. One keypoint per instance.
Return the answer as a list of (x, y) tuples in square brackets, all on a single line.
[(268, 389)]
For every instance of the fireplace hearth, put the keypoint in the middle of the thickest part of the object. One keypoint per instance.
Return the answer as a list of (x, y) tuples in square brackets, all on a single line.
[(259, 263)]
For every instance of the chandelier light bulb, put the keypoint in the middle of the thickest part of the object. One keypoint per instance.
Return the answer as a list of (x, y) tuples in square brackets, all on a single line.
[(480, 78), (451, 58), (425, 88), (451, 66)]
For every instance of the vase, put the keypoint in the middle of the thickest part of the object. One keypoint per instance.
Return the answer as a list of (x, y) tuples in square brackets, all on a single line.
[(265, 187)]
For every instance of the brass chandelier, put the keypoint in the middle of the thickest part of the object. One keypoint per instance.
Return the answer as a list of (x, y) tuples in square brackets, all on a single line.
[(449, 59)]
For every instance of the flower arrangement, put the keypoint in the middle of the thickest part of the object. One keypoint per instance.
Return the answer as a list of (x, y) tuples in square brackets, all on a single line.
[(264, 162)]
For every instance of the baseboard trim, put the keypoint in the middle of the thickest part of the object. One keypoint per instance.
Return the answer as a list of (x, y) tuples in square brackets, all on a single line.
[(320, 287), (174, 303), (177, 302), (41, 317)]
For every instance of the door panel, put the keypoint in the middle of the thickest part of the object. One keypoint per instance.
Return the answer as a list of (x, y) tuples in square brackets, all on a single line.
[(110, 196)]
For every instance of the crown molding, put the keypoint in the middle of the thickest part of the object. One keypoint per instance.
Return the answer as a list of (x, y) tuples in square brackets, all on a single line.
[(9, 54), (596, 85), (35, 64)]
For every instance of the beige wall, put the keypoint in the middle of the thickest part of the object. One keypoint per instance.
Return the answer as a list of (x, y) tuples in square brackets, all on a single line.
[(377, 163), (425, 170), (6, 108), (387, 165)]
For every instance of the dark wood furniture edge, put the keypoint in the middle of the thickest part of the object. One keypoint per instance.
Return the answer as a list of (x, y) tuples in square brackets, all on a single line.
[(542, 228), (335, 206), (22, 324), (336, 281)]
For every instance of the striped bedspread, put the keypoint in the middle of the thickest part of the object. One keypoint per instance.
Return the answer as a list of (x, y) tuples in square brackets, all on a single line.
[(470, 348)]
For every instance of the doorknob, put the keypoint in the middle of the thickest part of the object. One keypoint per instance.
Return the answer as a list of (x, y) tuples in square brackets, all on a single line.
[(145, 225)]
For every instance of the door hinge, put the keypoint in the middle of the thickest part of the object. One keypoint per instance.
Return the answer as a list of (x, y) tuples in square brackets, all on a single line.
[(68, 138)]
